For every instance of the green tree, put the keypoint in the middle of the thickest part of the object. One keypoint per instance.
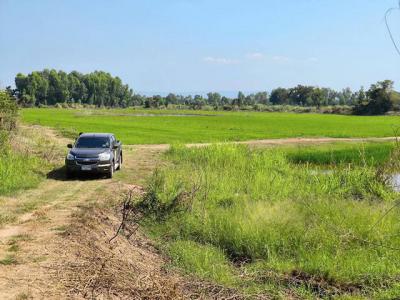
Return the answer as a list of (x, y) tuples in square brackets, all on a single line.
[(214, 99), (279, 96), (171, 99), (378, 100), (262, 98)]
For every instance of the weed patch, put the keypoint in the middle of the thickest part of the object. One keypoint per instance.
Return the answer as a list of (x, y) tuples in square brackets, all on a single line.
[(8, 260)]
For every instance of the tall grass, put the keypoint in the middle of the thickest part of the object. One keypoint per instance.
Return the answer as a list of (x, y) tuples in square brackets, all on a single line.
[(18, 171), (373, 154), (275, 216)]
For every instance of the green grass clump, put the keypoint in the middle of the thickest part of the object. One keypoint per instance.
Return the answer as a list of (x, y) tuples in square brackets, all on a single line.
[(205, 261), (166, 127), (277, 217), (18, 171), (8, 260)]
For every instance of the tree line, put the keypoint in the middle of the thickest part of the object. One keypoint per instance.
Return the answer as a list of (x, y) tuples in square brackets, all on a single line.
[(49, 87)]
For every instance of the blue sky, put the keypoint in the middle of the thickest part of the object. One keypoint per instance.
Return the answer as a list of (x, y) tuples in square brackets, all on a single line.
[(203, 45)]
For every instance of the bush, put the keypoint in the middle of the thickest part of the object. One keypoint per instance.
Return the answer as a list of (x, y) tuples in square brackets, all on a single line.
[(8, 112)]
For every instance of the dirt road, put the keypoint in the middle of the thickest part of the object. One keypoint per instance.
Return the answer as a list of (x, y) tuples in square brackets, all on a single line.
[(279, 142), (56, 245)]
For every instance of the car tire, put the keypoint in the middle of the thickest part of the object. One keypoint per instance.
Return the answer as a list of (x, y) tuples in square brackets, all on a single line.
[(119, 163), (110, 173), (69, 174)]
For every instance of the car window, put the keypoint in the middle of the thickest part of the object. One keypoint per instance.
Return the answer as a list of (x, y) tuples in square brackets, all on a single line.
[(93, 142)]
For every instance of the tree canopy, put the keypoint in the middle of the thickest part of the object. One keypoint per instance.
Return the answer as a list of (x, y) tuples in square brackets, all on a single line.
[(379, 99), (49, 87)]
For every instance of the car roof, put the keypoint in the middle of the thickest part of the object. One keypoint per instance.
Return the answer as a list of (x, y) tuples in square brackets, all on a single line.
[(96, 135)]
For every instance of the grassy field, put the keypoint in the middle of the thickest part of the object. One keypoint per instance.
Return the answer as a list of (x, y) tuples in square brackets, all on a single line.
[(157, 127), (258, 221)]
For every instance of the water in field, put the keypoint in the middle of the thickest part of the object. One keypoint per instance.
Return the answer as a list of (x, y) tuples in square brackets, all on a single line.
[(394, 179), (395, 182)]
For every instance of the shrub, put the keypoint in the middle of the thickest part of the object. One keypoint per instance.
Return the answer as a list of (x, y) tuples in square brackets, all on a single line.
[(8, 112)]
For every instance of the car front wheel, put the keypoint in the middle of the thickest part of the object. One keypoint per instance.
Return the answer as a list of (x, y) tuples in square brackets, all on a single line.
[(119, 163), (110, 173), (69, 174)]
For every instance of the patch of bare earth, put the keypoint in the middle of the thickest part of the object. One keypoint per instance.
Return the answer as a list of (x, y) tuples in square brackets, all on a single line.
[(278, 142)]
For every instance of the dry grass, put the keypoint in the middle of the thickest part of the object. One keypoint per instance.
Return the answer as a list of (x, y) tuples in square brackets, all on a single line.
[(93, 267)]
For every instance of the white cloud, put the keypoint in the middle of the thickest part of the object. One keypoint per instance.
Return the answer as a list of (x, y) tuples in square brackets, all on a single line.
[(255, 56), (258, 56), (221, 60), (286, 59), (279, 58), (312, 59)]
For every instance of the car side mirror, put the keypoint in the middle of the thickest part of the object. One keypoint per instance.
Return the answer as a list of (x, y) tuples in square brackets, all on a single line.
[(69, 146)]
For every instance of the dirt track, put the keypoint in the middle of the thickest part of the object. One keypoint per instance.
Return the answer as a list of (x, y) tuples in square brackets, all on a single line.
[(277, 142), (60, 248)]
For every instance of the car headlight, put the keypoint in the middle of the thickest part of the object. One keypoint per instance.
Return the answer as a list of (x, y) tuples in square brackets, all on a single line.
[(104, 156), (70, 156)]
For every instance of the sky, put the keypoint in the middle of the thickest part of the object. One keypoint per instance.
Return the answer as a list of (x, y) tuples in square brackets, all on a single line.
[(196, 46)]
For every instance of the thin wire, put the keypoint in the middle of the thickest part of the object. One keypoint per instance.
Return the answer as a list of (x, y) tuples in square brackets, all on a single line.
[(388, 27), (384, 215)]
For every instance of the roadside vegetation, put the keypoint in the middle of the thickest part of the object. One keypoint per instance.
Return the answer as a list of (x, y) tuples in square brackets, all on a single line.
[(20, 167), (135, 126), (259, 221)]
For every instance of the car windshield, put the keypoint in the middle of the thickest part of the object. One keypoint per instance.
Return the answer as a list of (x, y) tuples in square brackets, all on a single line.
[(93, 142)]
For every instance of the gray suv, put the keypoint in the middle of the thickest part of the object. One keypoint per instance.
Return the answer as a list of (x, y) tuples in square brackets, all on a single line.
[(94, 152)]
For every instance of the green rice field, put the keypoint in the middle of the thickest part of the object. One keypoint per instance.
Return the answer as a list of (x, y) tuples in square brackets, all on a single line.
[(135, 126)]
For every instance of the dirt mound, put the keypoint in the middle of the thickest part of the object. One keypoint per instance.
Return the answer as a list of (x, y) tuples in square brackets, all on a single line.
[(91, 266)]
